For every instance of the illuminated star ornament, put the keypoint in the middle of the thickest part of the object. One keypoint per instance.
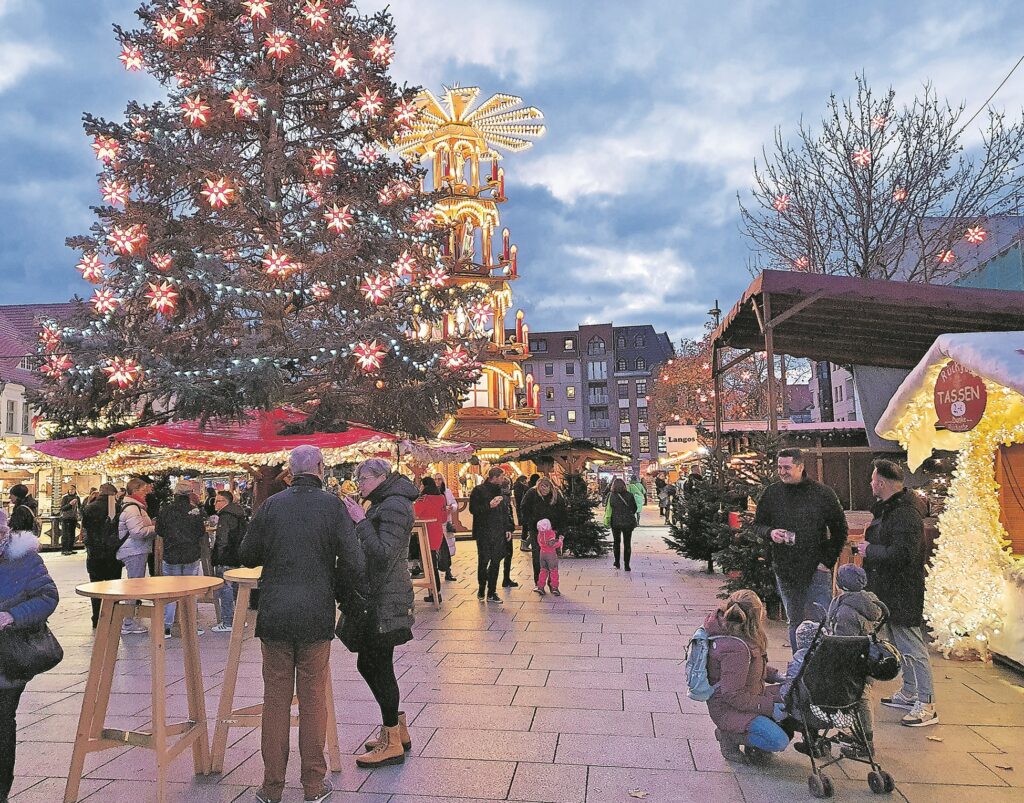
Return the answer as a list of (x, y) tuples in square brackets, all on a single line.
[(339, 219), (781, 203), (192, 12), (277, 263), (162, 262), (169, 29), (323, 161), (975, 235), (49, 338), (422, 219), (196, 111), (243, 103), (455, 358), (56, 365), (899, 195), (314, 14), (162, 297), (437, 276), (218, 193), (122, 240), (115, 192), (104, 301), (369, 356), (405, 112), (91, 267), (946, 257), (405, 265), (279, 45), (861, 158), (341, 59), (106, 148), (801, 263), (369, 102), (131, 58), (375, 288), (258, 9), (368, 154), (385, 196), (122, 371), (877, 122), (320, 291), (381, 50), (479, 312)]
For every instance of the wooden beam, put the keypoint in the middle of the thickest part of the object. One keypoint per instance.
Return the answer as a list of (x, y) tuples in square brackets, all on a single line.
[(769, 348), (789, 313), (757, 314), (736, 360)]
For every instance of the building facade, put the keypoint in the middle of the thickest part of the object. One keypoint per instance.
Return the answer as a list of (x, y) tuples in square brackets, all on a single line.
[(593, 384)]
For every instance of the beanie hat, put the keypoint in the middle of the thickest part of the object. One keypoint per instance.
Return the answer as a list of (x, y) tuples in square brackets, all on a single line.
[(805, 633), (851, 577)]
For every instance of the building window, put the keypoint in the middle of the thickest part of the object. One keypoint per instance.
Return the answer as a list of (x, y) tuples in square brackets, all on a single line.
[(638, 342), (605, 442), (623, 415), (570, 392), (620, 342), (853, 415), (641, 388), (538, 345), (549, 393), (621, 365), (662, 444), (551, 418), (625, 444), (549, 369), (570, 369), (645, 443), (26, 419), (642, 415), (597, 395), (599, 418), (597, 369), (12, 415), (528, 368), (570, 416), (569, 344), (26, 363), (641, 364), (595, 346), (623, 390)]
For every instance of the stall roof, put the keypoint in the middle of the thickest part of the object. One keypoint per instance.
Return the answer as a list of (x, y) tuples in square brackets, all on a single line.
[(875, 322), (582, 449)]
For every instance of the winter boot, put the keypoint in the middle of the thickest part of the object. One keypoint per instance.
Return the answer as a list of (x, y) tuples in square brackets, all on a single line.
[(403, 731), (730, 746), (388, 749)]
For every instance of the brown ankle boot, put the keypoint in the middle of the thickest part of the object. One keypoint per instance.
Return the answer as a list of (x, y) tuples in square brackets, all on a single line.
[(403, 731), (387, 751)]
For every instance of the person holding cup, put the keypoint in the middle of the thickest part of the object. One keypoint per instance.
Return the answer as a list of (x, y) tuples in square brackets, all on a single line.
[(804, 523)]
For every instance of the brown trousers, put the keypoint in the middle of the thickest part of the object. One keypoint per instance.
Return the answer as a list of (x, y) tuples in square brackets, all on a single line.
[(289, 667)]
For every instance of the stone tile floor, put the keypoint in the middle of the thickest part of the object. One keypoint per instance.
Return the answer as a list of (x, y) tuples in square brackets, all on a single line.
[(577, 699)]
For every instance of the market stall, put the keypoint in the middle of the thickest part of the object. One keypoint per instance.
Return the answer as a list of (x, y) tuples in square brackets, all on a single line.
[(967, 395)]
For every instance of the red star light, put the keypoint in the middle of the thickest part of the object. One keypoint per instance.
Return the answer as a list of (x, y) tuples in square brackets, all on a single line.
[(369, 102), (243, 103), (369, 356), (375, 288), (405, 265), (385, 196), (975, 235), (122, 240), (279, 45), (115, 191), (56, 365), (899, 195), (339, 219), (122, 371), (162, 297), (258, 9), (381, 50), (207, 66), (801, 263), (277, 264), (781, 203), (315, 14), (324, 162), (106, 148), (218, 193), (162, 262), (104, 301), (341, 60), (368, 154), (455, 358), (862, 158), (422, 219), (192, 12), (92, 268), (49, 338), (405, 113), (437, 276), (946, 257), (139, 237), (401, 189), (314, 191), (169, 29), (131, 58), (479, 312), (320, 291), (878, 121), (196, 111)]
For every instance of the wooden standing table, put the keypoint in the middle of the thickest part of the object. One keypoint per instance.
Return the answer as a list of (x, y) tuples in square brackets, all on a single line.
[(252, 716), (419, 531), (119, 599)]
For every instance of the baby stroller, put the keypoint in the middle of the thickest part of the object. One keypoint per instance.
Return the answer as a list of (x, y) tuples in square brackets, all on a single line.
[(823, 700)]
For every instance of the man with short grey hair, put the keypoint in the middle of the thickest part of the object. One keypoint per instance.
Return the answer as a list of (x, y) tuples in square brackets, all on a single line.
[(304, 539)]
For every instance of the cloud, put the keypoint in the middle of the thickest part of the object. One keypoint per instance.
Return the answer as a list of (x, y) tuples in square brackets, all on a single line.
[(17, 59)]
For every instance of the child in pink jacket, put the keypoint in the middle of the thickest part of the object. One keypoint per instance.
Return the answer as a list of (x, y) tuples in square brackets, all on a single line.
[(550, 543)]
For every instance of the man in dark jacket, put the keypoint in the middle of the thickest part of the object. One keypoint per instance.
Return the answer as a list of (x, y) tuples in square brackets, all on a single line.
[(805, 523), (99, 523), (304, 539), (70, 509), (231, 524), (491, 530), (894, 559), (181, 530)]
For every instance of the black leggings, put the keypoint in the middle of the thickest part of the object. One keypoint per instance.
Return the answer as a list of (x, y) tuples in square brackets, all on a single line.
[(8, 707), (377, 666), (626, 537)]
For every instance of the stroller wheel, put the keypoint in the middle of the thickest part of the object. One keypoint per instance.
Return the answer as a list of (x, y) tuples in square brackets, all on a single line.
[(881, 782), (820, 785)]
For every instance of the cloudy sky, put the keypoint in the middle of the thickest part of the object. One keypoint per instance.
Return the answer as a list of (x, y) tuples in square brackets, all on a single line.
[(656, 110)]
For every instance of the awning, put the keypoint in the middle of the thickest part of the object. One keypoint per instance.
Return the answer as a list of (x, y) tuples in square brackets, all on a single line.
[(571, 454), (436, 451), (495, 432), (80, 448)]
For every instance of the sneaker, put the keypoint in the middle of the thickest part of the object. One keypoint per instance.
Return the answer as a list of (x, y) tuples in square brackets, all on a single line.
[(167, 632), (615, 566), (920, 715), (450, 578), (556, 592), (221, 628), (135, 628), (539, 590), (322, 795), (479, 594), (263, 798), (199, 631), (900, 700), (494, 598), (510, 584)]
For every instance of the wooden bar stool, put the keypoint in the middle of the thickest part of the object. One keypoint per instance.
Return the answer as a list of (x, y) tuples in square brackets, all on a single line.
[(251, 716), (419, 529), (121, 598)]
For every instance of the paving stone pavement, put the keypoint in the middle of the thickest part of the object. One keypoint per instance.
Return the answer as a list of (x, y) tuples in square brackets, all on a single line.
[(571, 699)]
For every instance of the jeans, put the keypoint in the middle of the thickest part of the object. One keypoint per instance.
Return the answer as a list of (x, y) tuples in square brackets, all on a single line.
[(178, 570), (626, 538), (134, 566), (917, 671), (765, 734), (376, 664), (291, 668), (490, 553), (8, 727), (226, 596), (799, 601)]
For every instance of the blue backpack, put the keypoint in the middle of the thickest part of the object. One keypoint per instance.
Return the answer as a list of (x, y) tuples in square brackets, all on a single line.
[(698, 686)]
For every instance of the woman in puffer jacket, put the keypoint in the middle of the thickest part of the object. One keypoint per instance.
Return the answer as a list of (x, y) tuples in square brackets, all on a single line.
[(743, 703), (27, 598)]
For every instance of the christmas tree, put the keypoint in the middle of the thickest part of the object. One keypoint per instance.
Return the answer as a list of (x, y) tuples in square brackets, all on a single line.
[(701, 529), (585, 537), (257, 246)]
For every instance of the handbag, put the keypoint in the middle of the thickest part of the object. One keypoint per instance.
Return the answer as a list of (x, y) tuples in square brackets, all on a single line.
[(29, 652), (359, 625)]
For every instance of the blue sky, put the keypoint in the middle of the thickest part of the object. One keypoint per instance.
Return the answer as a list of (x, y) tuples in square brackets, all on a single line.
[(656, 110)]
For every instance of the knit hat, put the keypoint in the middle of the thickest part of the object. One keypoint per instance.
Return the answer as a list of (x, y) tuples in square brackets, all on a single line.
[(851, 577), (805, 633)]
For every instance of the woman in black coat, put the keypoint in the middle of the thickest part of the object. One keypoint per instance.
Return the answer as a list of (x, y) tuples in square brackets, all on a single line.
[(543, 501), (623, 520)]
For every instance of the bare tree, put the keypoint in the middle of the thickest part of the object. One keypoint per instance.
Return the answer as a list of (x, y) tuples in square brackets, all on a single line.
[(881, 191)]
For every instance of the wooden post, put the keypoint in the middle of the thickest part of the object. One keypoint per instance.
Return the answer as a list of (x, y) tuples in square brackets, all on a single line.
[(717, 377), (769, 348)]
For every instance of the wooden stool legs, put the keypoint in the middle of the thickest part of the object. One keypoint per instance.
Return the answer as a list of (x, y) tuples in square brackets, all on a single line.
[(427, 561)]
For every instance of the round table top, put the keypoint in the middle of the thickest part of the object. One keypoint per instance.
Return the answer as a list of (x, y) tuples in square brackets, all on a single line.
[(245, 577), (149, 587)]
